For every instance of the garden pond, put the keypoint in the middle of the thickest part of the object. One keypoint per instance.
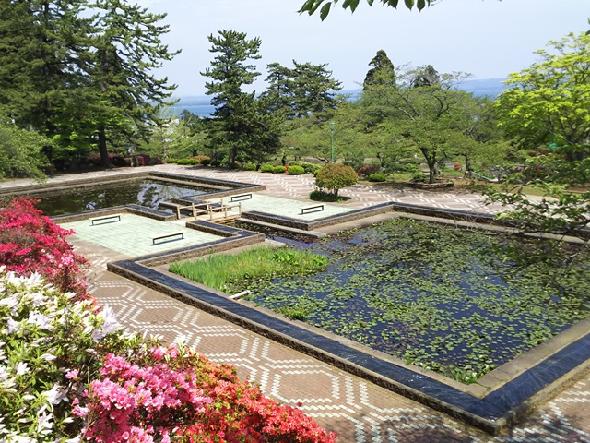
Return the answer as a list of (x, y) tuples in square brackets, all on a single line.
[(141, 192), (453, 300)]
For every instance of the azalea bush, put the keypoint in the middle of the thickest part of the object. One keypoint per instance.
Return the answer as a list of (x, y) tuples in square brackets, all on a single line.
[(32, 242), (67, 371), (50, 345)]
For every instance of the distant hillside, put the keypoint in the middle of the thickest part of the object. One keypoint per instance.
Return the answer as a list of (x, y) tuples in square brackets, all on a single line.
[(484, 87)]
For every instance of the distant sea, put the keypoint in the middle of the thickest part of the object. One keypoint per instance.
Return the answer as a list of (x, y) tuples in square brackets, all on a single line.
[(201, 105)]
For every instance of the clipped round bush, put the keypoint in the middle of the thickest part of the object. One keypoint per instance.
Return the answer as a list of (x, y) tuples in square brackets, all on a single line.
[(267, 168), (335, 176), (249, 166), (278, 169), (311, 168), (296, 170), (377, 177)]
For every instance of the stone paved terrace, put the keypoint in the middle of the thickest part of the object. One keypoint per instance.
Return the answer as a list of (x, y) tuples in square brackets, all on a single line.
[(295, 186), (354, 408)]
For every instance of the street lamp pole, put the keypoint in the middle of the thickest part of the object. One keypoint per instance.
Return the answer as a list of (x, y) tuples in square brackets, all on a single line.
[(332, 133)]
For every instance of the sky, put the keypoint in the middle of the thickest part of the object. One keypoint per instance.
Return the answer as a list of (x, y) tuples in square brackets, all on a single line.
[(485, 38)]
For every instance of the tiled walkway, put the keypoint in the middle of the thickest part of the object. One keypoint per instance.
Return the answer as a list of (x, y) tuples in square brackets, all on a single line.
[(354, 408)]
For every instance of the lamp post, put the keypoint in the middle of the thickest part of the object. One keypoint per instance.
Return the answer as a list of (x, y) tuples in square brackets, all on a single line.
[(332, 133)]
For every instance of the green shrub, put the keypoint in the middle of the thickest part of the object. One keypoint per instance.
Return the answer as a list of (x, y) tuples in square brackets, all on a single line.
[(278, 169), (335, 176), (418, 177), (377, 177), (267, 168), (311, 168), (249, 166), (323, 196), (296, 170)]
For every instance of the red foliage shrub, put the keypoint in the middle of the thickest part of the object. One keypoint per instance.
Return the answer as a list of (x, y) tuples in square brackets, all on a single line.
[(32, 242)]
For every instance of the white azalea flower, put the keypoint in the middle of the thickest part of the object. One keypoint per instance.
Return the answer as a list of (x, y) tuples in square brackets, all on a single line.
[(109, 325), (40, 320), (22, 369), (55, 395), (44, 422), (48, 357), (12, 325)]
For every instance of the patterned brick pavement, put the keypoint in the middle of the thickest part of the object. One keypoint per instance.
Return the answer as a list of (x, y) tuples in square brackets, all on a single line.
[(354, 408)]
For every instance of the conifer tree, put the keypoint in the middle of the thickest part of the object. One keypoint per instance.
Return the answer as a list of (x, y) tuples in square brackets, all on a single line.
[(44, 53), (127, 94), (241, 124), (382, 72)]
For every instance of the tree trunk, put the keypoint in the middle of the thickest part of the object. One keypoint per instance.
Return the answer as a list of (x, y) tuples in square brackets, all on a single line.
[(102, 147), (430, 158), (233, 153)]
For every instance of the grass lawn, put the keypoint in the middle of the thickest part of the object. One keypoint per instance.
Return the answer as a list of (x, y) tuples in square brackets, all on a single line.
[(228, 273)]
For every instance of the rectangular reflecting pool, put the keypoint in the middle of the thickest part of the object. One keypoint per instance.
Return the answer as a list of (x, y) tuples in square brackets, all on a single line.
[(457, 301), (144, 192)]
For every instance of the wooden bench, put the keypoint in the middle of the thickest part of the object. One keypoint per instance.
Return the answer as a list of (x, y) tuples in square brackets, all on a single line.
[(238, 198)]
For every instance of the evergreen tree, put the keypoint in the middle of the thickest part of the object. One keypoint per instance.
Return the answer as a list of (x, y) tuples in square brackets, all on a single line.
[(314, 89), (382, 72), (241, 124), (279, 94), (127, 94), (44, 53)]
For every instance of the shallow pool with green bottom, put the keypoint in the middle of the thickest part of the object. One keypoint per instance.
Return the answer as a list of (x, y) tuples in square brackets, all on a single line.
[(133, 235)]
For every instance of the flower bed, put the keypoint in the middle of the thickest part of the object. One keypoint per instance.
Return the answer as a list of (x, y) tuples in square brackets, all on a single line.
[(68, 372), (32, 242)]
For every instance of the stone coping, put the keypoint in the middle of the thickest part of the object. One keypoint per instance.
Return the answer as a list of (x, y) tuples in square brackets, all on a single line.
[(227, 187), (356, 214), (497, 401)]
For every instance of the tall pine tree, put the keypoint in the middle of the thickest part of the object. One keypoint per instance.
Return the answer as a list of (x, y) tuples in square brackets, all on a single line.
[(314, 89), (126, 92), (44, 56), (241, 125)]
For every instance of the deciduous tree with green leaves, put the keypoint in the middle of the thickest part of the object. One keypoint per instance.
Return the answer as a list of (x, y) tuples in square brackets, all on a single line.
[(549, 104), (324, 6), (21, 151)]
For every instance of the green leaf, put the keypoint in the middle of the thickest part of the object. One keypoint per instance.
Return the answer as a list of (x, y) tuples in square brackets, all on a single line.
[(410, 4), (325, 10)]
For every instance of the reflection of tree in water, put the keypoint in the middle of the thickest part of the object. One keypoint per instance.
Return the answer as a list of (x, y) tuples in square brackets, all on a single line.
[(145, 193), (150, 194)]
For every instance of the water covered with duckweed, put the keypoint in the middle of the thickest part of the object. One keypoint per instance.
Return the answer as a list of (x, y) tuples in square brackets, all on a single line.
[(454, 300)]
